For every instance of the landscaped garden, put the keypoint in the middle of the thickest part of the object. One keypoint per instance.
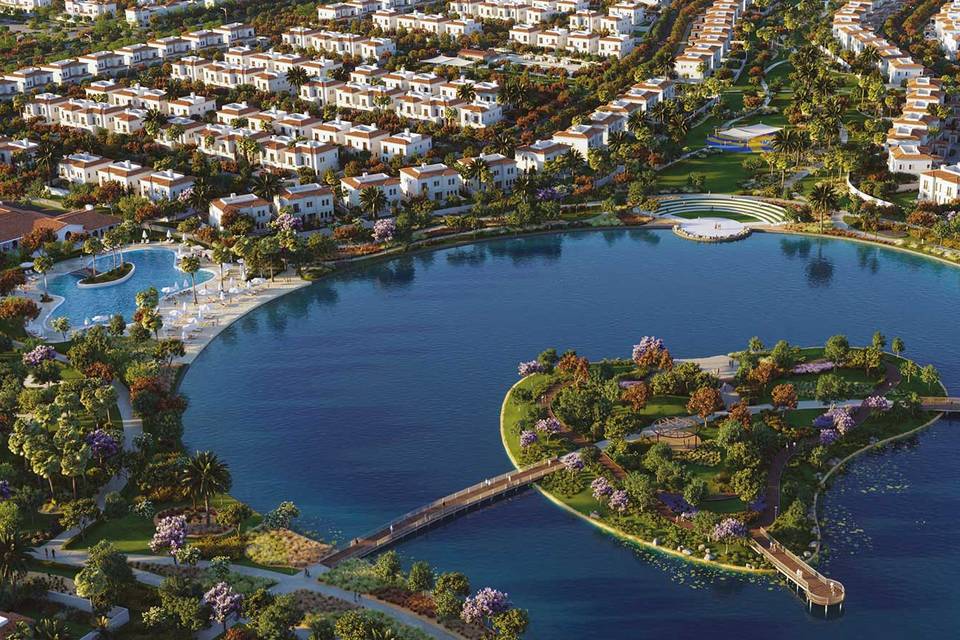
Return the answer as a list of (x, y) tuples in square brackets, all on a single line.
[(667, 454)]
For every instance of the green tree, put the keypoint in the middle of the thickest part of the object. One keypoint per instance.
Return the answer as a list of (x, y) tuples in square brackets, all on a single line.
[(387, 567), (836, 349), (511, 624), (930, 376), (449, 593), (297, 77), (641, 490), (234, 515), (372, 201), (205, 476), (105, 578), (823, 198), (830, 387), (276, 620), (357, 625), (92, 247), (14, 557), (421, 577), (897, 346), (61, 325), (695, 491), (79, 514), (879, 341)]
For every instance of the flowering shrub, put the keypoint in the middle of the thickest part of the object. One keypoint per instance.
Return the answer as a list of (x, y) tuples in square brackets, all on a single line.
[(527, 438), (529, 368), (39, 355), (821, 366), (601, 488), (619, 501), (171, 534), (485, 604), (572, 461), (829, 436), (878, 403), (5, 491), (549, 426), (384, 230), (824, 421)]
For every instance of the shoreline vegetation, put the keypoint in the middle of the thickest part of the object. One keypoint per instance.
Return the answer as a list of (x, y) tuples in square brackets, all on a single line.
[(656, 503)]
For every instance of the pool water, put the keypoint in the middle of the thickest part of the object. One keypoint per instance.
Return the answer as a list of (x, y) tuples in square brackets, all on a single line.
[(154, 268), (368, 394)]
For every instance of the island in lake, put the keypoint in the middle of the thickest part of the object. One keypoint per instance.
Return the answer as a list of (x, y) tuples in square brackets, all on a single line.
[(720, 459)]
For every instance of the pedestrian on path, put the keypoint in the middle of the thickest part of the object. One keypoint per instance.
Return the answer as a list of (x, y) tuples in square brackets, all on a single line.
[(53, 552), (46, 552), (306, 572)]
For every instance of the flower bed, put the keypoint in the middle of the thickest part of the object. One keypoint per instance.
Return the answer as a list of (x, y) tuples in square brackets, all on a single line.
[(313, 602), (286, 548), (422, 604), (241, 583)]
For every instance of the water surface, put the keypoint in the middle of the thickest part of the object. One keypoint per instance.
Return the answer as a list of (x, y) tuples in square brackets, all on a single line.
[(368, 394)]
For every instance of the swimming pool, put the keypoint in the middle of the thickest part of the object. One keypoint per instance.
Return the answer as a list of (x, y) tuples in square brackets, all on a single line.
[(154, 268)]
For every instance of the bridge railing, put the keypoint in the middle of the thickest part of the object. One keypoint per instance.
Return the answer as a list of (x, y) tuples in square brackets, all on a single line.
[(514, 479)]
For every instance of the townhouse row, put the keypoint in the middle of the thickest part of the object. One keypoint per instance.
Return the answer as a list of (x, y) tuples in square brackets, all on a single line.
[(89, 9), (584, 42), (75, 70), (620, 18), (362, 8), (339, 43), (143, 10), (853, 31), (711, 37), (533, 12), (600, 125), (87, 168), (946, 27), (917, 139), (312, 202), (390, 20)]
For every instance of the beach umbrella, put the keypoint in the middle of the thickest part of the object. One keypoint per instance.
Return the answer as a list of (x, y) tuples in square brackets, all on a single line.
[(86, 322), (222, 296), (26, 265), (144, 234), (183, 306), (169, 235), (186, 283)]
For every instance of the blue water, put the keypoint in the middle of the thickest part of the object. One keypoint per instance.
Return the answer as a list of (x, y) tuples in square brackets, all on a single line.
[(368, 394), (154, 268)]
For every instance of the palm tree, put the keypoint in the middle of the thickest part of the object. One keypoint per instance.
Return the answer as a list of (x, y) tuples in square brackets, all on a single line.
[(14, 556), (190, 265), (205, 476), (372, 201), (221, 254), (199, 195), (297, 77), (503, 143), (267, 185), (92, 246), (51, 629), (823, 198), (153, 121), (42, 264), (466, 92), (248, 148)]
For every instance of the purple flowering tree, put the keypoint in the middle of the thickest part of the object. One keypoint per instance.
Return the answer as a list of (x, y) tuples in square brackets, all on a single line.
[(102, 444), (619, 501), (486, 604), (384, 230), (572, 461), (38, 355), (171, 534), (729, 529), (829, 436), (601, 488), (529, 368), (5, 490), (224, 602), (843, 421), (528, 438), (647, 344), (548, 426), (288, 222), (823, 421)]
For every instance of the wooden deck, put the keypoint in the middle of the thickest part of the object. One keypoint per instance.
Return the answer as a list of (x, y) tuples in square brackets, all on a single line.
[(817, 588), (940, 404), (450, 506)]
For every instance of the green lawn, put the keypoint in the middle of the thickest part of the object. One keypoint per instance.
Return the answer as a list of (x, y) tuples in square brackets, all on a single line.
[(693, 215), (724, 172), (131, 534)]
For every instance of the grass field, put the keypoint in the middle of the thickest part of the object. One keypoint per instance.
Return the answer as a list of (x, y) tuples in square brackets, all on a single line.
[(694, 215)]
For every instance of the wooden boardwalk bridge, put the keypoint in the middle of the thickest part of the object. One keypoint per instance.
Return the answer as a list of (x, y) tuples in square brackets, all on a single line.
[(817, 589), (946, 405), (450, 506)]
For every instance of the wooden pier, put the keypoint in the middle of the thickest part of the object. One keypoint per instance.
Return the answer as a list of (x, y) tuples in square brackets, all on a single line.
[(450, 506), (817, 589)]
